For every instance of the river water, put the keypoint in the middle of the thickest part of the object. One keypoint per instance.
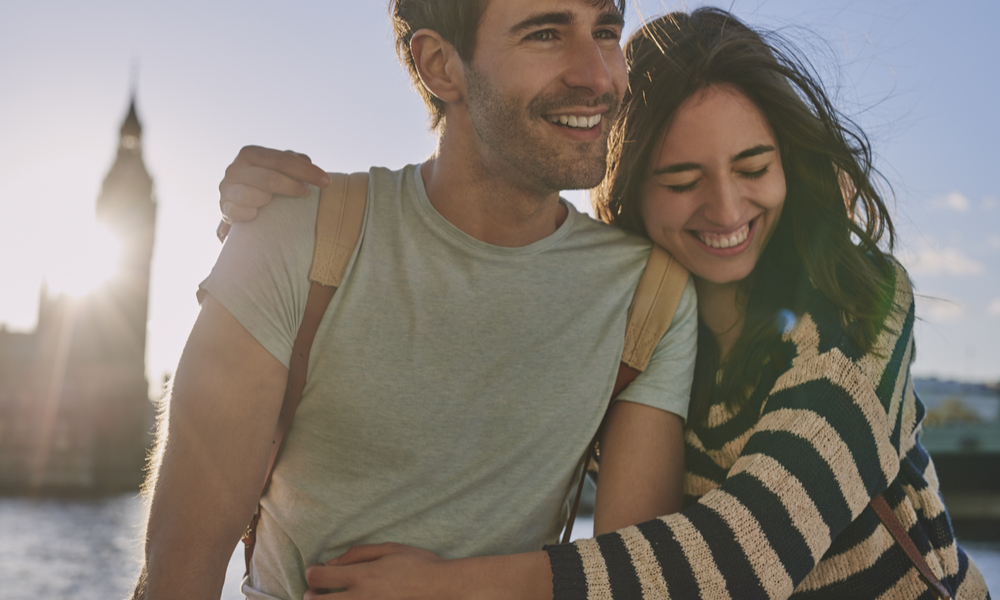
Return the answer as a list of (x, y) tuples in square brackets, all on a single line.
[(90, 549)]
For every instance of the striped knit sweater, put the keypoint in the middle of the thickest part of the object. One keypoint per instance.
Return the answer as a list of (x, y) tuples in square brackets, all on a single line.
[(776, 496)]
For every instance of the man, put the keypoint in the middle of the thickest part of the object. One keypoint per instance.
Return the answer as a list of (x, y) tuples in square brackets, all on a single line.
[(467, 358)]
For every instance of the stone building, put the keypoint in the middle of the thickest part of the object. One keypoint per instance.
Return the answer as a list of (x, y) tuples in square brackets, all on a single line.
[(75, 414)]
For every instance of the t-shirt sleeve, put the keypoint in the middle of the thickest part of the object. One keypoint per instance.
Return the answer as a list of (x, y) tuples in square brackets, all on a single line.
[(666, 382), (262, 275)]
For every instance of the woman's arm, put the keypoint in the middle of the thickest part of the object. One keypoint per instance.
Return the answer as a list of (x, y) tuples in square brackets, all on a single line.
[(641, 473), (778, 482), (642, 466)]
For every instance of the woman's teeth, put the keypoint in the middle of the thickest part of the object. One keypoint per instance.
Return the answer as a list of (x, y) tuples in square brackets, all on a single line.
[(576, 122), (716, 240)]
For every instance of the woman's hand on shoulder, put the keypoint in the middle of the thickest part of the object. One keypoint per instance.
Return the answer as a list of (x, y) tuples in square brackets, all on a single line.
[(258, 174)]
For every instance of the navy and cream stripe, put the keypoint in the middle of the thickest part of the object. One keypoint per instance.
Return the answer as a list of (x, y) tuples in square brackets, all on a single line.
[(776, 495)]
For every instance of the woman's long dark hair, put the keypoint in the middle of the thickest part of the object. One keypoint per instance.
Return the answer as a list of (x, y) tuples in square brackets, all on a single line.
[(833, 218)]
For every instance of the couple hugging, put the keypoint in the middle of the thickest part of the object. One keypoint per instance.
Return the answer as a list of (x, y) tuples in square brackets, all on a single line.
[(465, 362)]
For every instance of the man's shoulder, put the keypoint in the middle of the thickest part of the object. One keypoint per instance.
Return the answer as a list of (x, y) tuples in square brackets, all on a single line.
[(590, 233), (388, 180)]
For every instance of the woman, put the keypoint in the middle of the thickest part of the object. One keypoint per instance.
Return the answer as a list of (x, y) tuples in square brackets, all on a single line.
[(729, 155)]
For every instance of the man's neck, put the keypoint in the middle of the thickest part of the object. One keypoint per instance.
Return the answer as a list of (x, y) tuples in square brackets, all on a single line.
[(488, 204)]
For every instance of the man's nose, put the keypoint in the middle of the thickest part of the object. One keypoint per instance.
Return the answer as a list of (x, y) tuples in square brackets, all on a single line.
[(589, 68)]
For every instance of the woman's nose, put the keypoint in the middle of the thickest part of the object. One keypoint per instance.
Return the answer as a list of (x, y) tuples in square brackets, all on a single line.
[(723, 205)]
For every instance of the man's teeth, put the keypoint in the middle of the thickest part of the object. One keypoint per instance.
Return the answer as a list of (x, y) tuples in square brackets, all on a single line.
[(716, 240), (575, 121)]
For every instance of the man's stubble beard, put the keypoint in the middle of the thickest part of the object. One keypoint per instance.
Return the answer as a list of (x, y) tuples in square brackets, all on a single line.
[(511, 134)]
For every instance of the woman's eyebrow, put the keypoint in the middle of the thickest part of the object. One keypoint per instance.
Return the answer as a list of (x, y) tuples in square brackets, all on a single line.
[(755, 151), (677, 168), (690, 166)]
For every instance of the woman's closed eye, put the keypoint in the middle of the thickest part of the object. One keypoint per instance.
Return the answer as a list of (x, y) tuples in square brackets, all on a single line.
[(678, 188), (754, 174)]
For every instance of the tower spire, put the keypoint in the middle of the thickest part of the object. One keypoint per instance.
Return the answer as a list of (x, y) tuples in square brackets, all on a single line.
[(131, 131), (134, 78)]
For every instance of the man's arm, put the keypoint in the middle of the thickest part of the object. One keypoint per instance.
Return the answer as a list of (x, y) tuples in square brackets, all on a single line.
[(642, 466), (212, 455)]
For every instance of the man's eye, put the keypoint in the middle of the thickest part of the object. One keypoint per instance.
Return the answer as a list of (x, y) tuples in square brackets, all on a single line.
[(544, 35), (608, 34)]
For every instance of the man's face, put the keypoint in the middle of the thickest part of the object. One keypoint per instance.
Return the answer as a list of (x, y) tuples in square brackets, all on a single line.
[(544, 86)]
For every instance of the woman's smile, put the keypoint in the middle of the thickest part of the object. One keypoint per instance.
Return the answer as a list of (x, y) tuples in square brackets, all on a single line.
[(733, 242)]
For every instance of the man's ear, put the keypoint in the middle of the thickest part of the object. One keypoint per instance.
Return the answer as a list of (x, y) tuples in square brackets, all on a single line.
[(438, 64)]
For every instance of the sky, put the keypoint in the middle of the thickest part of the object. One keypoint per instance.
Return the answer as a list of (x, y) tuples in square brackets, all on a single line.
[(322, 78)]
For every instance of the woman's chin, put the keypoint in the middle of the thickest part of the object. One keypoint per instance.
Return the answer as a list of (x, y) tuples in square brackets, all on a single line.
[(718, 272)]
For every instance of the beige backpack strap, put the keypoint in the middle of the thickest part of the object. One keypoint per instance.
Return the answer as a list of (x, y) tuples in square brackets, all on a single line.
[(653, 306), (338, 226), (338, 230)]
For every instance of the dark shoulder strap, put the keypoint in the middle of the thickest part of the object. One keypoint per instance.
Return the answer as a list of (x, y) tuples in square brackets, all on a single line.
[(338, 229), (652, 310), (899, 533)]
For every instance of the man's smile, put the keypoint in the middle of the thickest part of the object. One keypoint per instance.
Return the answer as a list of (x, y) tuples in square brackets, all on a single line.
[(575, 121)]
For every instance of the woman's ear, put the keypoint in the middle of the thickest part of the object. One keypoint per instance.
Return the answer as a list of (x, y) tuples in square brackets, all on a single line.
[(438, 64)]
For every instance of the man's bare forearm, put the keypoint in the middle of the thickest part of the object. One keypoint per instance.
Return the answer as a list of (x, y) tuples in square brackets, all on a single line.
[(218, 429)]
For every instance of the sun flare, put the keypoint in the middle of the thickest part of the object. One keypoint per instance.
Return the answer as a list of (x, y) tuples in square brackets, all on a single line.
[(87, 257)]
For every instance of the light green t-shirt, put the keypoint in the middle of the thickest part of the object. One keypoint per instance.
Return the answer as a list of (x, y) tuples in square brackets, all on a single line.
[(453, 385)]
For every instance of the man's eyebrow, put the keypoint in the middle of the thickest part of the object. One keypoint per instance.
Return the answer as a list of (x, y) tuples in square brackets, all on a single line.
[(755, 151), (551, 18), (611, 17)]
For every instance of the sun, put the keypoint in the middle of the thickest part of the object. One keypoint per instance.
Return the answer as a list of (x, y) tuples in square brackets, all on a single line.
[(86, 256)]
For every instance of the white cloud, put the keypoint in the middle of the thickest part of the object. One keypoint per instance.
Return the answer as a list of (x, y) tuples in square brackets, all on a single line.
[(939, 310), (994, 308), (943, 261), (953, 201)]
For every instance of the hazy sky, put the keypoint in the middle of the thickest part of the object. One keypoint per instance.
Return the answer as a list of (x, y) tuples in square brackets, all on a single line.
[(322, 78)]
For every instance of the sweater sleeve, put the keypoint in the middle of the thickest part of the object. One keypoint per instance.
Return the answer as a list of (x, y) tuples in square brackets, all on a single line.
[(822, 447)]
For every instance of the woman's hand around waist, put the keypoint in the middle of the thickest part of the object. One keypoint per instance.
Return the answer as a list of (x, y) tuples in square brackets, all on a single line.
[(398, 572)]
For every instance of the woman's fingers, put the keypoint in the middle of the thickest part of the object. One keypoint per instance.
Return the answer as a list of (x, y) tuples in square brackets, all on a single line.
[(327, 577), (295, 165), (365, 553), (235, 213), (259, 173), (386, 571)]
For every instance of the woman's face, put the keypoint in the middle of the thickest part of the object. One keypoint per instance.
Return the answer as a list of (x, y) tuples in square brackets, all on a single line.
[(715, 187)]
